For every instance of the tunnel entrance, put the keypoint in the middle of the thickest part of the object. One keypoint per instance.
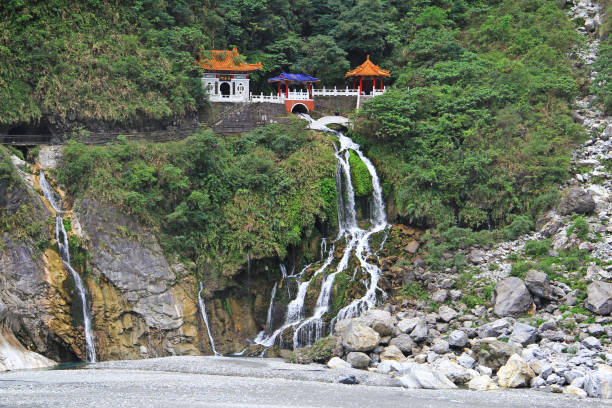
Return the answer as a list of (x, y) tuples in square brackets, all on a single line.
[(299, 108)]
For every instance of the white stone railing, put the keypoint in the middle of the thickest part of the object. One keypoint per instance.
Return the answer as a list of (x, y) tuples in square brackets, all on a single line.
[(228, 98), (293, 95)]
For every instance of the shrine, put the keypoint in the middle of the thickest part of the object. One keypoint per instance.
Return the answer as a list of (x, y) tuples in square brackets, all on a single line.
[(368, 71), (226, 76), (295, 101)]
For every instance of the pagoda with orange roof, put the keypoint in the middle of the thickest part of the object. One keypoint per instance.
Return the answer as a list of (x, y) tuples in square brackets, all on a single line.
[(226, 76), (368, 71)]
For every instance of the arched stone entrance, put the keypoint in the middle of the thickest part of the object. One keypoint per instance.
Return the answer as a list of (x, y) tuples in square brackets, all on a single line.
[(299, 108)]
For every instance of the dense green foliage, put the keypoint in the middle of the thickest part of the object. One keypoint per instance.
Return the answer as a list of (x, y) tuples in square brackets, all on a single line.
[(478, 128), (360, 176), (602, 85), (213, 199)]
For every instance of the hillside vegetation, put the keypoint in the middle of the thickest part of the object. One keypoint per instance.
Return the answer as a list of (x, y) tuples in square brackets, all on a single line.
[(479, 127), (212, 199)]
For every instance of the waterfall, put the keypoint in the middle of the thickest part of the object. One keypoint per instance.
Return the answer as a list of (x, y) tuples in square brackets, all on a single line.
[(271, 306), (64, 250), (205, 318), (308, 330)]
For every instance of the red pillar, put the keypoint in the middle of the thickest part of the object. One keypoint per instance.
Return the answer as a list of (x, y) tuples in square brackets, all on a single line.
[(309, 90), (381, 84), (373, 84), (279, 89), (360, 84), (287, 90)]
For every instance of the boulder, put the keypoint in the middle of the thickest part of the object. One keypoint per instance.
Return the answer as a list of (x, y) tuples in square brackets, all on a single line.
[(604, 372), (440, 346), (416, 375), (599, 298), (493, 329), (482, 383), (407, 325), (538, 284), (358, 359), (494, 353), (379, 320), (359, 337), (453, 371), (591, 343), (403, 342), (457, 338), (541, 368), (516, 373), (392, 353), (524, 334), (573, 390), (576, 200), (466, 361), (412, 247), (440, 296), (446, 313), (337, 362), (512, 298), (420, 332), (476, 256)]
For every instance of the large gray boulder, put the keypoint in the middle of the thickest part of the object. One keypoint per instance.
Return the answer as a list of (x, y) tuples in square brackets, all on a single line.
[(416, 375), (359, 337), (524, 334), (493, 329), (457, 338), (420, 332), (576, 200), (599, 297), (512, 298), (538, 284), (403, 342), (379, 320), (358, 359)]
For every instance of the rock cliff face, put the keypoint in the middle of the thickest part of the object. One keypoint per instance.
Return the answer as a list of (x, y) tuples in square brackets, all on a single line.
[(143, 305)]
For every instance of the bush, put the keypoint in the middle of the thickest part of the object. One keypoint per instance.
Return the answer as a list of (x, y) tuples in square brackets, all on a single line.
[(413, 290), (580, 227), (520, 225), (537, 248), (360, 176)]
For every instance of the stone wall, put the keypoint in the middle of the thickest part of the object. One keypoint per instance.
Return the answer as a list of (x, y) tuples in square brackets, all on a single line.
[(327, 105), (245, 117)]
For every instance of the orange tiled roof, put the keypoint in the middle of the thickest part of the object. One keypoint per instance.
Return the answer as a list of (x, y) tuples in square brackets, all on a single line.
[(222, 60), (368, 68)]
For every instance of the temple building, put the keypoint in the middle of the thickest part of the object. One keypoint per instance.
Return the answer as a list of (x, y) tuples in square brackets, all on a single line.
[(368, 71), (226, 77)]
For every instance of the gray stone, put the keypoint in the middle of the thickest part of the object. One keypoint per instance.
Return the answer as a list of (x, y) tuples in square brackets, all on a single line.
[(17, 162), (592, 343), (440, 296), (412, 247), (453, 371), (49, 157), (337, 362), (524, 334), (455, 294), (392, 353), (599, 298), (359, 337), (576, 200), (476, 256), (537, 382), (403, 342), (466, 361), (379, 320), (596, 329), (440, 346), (420, 332), (446, 313), (494, 353), (407, 325), (358, 359), (493, 329), (541, 368), (422, 376), (457, 338), (512, 298), (482, 383), (538, 284)]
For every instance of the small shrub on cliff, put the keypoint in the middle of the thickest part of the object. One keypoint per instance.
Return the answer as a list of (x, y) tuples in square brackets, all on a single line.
[(360, 176), (414, 291)]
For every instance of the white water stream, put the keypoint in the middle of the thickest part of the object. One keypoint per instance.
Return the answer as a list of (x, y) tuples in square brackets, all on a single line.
[(308, 330), (205, 318), (64, 250)]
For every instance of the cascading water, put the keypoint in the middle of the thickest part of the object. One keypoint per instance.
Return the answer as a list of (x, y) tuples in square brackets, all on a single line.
[(64, 250), (308, 330), (205, 318)]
